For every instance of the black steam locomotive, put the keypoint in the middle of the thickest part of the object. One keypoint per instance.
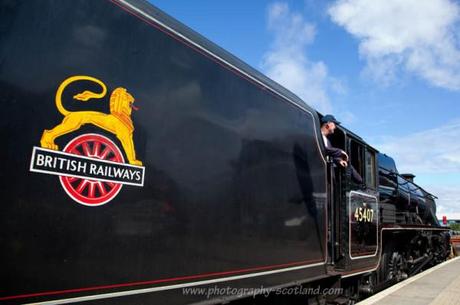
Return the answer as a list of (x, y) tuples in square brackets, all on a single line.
[(219, 181)]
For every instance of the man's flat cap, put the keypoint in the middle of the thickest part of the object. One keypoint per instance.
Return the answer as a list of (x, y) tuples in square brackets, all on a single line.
[(329, 118)]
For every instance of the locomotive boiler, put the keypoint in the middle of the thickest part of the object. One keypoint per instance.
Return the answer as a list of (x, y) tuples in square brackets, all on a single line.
[(412, 204), (141, 160)]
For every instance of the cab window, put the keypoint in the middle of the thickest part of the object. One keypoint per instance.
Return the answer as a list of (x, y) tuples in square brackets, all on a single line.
[(370, 169), (356, 157)]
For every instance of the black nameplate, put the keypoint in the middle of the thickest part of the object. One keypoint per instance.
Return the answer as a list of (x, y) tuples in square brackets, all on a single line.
[(64, 164)]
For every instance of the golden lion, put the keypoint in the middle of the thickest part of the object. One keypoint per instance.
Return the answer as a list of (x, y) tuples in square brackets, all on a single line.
[(117, 122)]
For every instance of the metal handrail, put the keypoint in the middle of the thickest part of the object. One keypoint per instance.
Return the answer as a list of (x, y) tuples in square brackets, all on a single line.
[(408, 181)]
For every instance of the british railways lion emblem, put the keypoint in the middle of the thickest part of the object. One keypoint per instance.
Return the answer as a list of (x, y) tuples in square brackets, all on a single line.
[(91, 167)]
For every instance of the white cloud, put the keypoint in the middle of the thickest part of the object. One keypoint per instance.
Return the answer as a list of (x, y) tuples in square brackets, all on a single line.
[(433, 151), (417, 36), (448, 203), (287, 62), (347, 117)]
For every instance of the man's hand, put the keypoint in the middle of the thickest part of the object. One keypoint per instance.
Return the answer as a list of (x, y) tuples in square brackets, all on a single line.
[(345, 156), (343, 163)]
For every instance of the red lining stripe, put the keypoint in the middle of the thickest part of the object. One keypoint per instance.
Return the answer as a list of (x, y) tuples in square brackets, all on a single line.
[(181, 278)]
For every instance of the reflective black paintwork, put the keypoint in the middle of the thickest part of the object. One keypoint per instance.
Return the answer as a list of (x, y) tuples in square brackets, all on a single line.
[(234, 177)]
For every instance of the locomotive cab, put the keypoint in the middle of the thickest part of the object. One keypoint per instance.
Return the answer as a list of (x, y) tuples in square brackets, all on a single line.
[(362, 159), (354, 204)]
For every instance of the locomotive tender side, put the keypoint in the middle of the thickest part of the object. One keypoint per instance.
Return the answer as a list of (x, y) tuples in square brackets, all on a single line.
[(218, 180)]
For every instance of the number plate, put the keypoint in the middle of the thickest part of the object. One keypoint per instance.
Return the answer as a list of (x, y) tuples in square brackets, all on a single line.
[(363, 225)]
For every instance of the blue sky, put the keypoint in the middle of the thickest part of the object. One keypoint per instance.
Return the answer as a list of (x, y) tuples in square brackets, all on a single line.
[(388, 69)]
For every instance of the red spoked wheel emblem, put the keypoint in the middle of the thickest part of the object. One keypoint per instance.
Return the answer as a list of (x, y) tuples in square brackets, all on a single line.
[(87, 191)]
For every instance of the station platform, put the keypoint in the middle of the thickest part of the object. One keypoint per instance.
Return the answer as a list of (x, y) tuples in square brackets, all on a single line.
[(439, 285)]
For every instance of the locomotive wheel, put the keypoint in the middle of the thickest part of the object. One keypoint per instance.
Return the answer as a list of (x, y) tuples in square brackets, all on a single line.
[(395, 267), (87, 191), (392, 267), (441, 251)]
